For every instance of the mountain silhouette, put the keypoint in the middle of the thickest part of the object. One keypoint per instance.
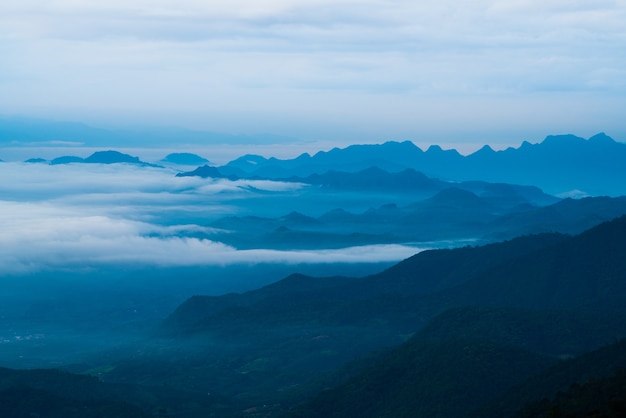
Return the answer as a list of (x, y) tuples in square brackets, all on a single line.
[(184, 158), (500, 212), (102, 157), (111, 157), (586, 271), (67, 159), (560, 164), (205, 171)]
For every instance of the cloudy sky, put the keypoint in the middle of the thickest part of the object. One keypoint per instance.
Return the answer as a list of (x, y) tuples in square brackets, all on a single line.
[(486, 71)]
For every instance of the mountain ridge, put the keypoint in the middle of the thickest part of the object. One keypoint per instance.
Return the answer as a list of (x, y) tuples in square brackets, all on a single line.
[(559, 164)]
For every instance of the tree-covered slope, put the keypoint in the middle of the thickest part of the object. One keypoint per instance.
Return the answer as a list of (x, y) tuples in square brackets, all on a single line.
[(538, 393), (427, 379)]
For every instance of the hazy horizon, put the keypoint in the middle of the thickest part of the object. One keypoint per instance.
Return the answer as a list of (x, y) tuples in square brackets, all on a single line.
[(49, 139)]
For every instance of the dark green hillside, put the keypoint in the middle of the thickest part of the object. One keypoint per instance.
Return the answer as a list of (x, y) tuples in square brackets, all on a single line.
[(587, 272), (197, 308), (441, 372), (550, 332), (538, 391), (52, 393), (436, 270), (25, 402), (547, 296), (55, 393), (348, 300), (602, 398), (427, 379)]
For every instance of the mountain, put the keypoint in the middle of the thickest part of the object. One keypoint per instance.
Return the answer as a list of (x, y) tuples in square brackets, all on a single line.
[(604, 397), (373, 178), (67, 159), (184, 158), (427, 379), (555, 333), (565, 382), (390, 156), (111, 157), (102, 157), (560, 164), (409, 181), (585, 272), (564, 165), (56, 393), (568, 216), (476, 378), (426, 273), (32, 393), (115, 157), (25, 402), (451, 214), (469, 324), (205, 171)]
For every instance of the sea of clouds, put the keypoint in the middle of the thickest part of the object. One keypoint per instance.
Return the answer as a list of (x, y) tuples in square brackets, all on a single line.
[(78, 215)]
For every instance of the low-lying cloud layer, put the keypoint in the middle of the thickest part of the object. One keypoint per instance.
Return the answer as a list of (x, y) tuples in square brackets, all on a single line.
[(57, 217)]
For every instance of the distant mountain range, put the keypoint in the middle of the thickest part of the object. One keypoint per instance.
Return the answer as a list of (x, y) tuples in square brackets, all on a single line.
[(452, 214), (184, 158), (99, 157), (561, 164), (564, 165)]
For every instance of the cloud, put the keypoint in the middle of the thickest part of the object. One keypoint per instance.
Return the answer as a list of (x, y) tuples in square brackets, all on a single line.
[(77, 216), (126, 190), (42, 237), (291, 67), (43, 181)]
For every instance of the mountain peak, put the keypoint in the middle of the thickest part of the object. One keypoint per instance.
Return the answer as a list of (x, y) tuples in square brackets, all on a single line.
[(526, 145), (562, 140), (485, 150), (601, 138), (457, 196), (110, 157), (205, 171), (184, 158), (437, 150)]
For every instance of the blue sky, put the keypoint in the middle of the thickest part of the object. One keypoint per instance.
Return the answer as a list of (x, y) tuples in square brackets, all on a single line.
[(341, 71)]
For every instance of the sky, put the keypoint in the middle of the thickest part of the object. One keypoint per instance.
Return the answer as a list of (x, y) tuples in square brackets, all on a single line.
[(340, 71)]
